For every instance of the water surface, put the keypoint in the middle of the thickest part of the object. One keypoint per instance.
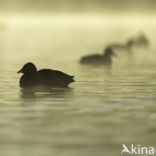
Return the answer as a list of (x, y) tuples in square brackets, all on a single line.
[(102, 110)]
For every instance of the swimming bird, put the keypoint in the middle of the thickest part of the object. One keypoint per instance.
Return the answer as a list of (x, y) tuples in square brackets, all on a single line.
[(126, 46), (135, 41), (142, 40), (45, 77), (139, 40), (105, 59)]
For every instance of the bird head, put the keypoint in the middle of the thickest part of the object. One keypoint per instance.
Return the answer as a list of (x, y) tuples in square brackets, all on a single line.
[(28, 68)]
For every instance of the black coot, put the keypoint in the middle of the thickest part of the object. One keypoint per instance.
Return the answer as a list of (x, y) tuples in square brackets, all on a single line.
[(45, 77), (97, 59)]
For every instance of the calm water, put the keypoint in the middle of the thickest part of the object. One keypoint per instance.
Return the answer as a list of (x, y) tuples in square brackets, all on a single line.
[(102, 110)]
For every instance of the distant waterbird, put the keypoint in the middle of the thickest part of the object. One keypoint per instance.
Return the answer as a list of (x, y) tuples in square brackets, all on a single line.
[(140, 40), (123, 46), (45, 77), (99, 59)]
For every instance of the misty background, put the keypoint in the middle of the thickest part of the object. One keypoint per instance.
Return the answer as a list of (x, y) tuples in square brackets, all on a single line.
[(70, 6), (105, 107)]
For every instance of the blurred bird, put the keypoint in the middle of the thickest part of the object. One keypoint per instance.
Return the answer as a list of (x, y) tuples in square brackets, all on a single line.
[(136, 41), (127, 46), (140, 40), (105, 59)]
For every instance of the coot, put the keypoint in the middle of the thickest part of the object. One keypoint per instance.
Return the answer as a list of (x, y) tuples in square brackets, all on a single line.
[(44, 77), (97, 59), (123, 46)]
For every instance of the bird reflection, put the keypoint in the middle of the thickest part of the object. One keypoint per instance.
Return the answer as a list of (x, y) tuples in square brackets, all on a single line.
[(27, 93), (32, 93)]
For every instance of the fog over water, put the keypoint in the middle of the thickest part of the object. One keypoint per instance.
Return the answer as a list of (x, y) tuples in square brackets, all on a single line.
[(100, 6), (105, 107)]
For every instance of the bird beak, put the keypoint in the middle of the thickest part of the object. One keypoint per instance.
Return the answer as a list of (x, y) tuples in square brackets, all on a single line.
[(20, 71)]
